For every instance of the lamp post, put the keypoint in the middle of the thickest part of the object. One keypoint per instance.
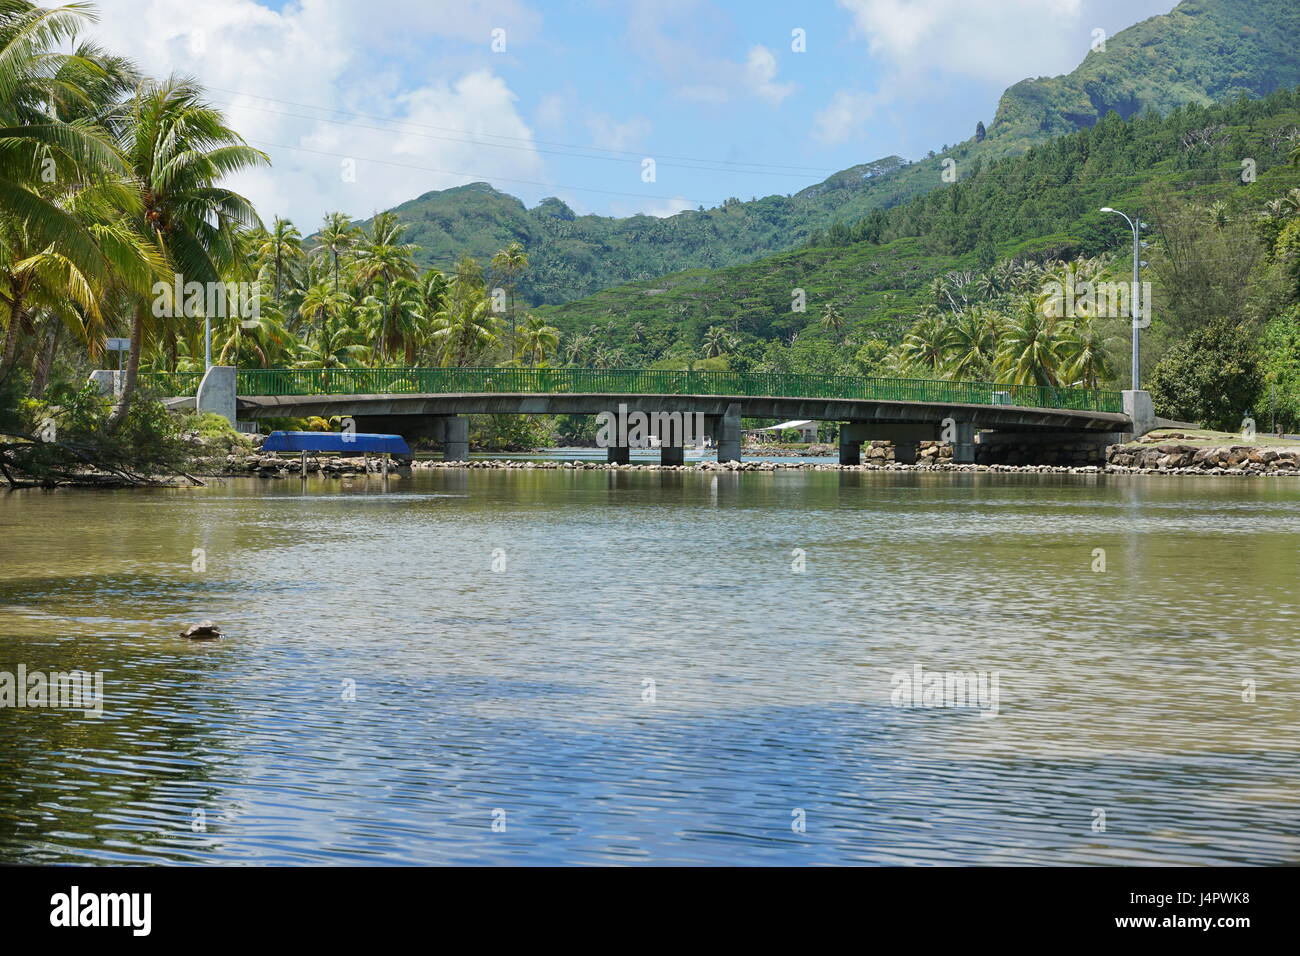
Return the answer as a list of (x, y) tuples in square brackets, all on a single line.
[(1135, 295)]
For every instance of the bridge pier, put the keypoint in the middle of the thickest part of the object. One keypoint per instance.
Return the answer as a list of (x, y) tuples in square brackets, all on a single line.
[(963, 446), (725, 430), (619, 456), (455, 438), (672, 455), (852, 435), (906, 440)]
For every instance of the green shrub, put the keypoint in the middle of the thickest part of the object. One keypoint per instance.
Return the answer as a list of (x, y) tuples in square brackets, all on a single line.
[(1213, 377)]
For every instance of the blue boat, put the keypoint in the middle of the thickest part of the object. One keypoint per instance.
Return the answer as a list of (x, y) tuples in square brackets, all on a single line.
[(351, 443)]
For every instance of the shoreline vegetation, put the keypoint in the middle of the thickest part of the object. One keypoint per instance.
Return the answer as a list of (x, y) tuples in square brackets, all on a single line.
[(114, 200)]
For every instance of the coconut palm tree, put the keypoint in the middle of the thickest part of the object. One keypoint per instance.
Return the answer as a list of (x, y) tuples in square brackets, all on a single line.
[(36, 80), (717, 342), (537, 340), (576, 350), (927, 344), (1028, 350), (281, 249), (1085, 353), (832, 319), (972, 343), (337, 236), (465, 333), (61, 193), (396, 319), (178, 150), (336, 344), (382, 259), (510, 262)]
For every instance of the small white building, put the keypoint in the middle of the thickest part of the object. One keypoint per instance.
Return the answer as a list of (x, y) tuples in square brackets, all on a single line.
[(806, 428)]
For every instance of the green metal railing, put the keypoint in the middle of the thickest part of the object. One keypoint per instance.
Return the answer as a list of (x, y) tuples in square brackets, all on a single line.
[(397, 381), (170, 384)]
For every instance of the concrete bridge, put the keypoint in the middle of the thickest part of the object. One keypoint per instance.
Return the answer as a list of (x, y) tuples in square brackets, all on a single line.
[(433, 403)]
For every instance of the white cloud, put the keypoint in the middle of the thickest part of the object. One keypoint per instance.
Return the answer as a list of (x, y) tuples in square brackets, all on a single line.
[(660, 209), (845, 117), (680, 36), (1001, 42), (350, 56), (609, 133), (760, 76), (922, 47)]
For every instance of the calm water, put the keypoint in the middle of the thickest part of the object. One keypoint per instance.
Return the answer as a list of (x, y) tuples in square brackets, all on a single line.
[(520, 694)]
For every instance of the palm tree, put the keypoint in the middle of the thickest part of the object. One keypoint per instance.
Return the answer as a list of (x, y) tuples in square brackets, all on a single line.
[(60, 175), (336, 345), (282, 249), (972, 343), (576, 350), (396, 317), (465, 333), (717, 342), (1217, 215), (511, 261), (337, 236), (1084, 353), (927, 344), (383, 259), (832, 319), (537, 340), (1028, 351), (179, 149)]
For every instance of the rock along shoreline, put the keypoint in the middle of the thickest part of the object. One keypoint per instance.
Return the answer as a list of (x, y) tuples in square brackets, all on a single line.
[(1159, 459)]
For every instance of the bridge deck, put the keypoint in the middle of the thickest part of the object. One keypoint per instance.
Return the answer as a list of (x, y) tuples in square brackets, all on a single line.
[(424, 383), (1004, 417)]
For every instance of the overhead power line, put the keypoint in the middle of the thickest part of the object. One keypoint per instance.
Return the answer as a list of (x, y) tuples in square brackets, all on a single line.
[(451, 172), (726, 165)]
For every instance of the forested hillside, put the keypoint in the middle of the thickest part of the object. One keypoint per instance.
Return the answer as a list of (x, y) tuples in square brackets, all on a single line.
[(896, 291), (1203, 51)]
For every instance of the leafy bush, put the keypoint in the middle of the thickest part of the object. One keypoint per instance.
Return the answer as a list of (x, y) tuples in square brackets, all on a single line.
[(1281, 346), (72, 437), (1213, 377)]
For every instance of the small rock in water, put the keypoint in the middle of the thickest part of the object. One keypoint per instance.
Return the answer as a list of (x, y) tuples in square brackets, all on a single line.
[(202, 631)]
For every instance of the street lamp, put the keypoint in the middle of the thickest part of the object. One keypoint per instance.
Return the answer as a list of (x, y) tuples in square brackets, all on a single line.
[(1134, 296)]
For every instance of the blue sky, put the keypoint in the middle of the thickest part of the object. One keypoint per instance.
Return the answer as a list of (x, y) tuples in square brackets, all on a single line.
[(363, 105)]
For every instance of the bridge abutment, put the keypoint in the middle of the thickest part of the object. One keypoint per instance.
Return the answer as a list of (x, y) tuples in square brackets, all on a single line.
[(216, 393)]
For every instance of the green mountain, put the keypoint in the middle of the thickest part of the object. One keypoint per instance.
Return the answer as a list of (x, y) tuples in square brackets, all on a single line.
[(571, 256), (1201, 52), (878, 272)]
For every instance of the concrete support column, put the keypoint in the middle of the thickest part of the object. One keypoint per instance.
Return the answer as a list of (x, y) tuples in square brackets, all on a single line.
[(455, 438), (728, 434), (216, 392), (963, 446), (672, 455), (619, 456), (906, 452), (852, 435)]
